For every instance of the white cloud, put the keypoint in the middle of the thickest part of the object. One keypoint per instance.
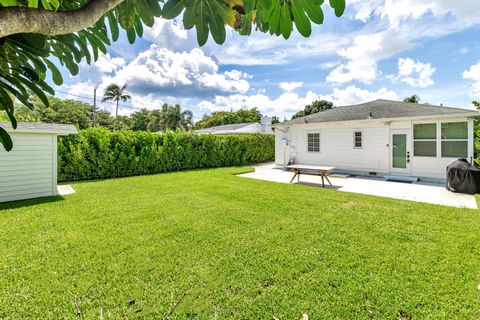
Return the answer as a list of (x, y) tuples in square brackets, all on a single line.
[(170, 34), (474, 74), (399, 25), (354, 95), (107, 64), (290, 86), (398, 10), (289, 102), (187, 74), (415, 73)]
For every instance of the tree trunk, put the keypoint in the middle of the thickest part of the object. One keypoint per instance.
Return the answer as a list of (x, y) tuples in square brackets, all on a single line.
[(15, 20)]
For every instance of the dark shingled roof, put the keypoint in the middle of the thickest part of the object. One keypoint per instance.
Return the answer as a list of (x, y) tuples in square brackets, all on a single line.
[(225, 127), (379, 109), (40, 127)]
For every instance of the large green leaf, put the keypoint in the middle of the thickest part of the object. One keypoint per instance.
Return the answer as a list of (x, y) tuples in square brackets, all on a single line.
[(301, 20), (339, 6), (56, 75), (131, 35), (248, 5), (112, 22), (142, 8), (201, 24), (126, 14), (216, 24), (275, 19), (8, 3), (173, 8), (5, 139), (138, 27), (155, 7), (285, 21), (313, 10)]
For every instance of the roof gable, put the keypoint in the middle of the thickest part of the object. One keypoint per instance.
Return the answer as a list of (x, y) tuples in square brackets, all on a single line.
[(380, 109)]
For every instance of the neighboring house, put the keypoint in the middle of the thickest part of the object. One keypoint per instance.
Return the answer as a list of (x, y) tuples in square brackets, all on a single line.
[(264, 127), (379, 138), (29, 170)]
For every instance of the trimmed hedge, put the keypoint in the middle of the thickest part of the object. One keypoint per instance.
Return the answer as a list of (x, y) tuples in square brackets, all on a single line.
[(97, 153)]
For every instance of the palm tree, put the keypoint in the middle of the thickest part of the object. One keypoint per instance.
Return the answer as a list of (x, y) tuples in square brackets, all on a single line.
[(172, 117), (114, 93), (412, 99)]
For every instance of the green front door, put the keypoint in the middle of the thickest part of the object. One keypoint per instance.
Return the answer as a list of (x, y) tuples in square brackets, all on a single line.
[(399, 158)]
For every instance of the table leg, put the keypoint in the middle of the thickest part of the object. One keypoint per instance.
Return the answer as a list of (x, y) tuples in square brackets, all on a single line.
[(323, 182), (296, 173), (325, 174)]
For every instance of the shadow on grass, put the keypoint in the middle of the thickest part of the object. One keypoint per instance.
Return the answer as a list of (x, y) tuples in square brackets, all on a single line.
[(318, 185), (29, 202)]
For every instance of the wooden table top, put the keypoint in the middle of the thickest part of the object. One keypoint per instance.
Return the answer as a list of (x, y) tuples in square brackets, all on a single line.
[(307, 167)]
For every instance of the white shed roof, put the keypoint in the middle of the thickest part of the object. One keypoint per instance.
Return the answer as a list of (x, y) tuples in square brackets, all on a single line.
[(38, 127)]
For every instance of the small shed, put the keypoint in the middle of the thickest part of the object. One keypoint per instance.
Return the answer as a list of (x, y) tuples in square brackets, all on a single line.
[(29, 170)]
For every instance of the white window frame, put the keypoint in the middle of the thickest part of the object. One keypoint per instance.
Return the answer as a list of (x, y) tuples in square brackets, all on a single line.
[(319, 141), (437, 152), (355, 139), (441, 140)]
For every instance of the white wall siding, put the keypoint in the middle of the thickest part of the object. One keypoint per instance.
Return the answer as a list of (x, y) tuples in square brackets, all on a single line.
[(30, 169), (337, 147)]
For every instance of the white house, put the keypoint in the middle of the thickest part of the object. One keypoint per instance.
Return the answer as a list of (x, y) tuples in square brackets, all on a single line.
[(264, 127), (29, 170), (379, 138)]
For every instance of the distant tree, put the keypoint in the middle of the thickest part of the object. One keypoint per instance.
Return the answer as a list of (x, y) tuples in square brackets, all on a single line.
[(476, 104), (63, 111), (169, 117), (116, 94), (139, 120), (275, 120), (412, 99), (104, 119), (154, 121), (218, 118), (315, 107), (122, 123)]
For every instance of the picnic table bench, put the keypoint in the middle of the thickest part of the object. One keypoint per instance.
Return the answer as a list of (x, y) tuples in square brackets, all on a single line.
[(321, 171)]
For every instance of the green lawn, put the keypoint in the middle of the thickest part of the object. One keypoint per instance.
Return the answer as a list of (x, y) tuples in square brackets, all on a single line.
[(206, 244)]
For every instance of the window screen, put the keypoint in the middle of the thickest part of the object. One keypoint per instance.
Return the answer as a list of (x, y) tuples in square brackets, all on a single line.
[(358, 139), (313, 142), (425, 140), (455, 139)]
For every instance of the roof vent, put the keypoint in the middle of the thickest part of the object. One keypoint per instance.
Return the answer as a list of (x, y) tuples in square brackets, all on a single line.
[(370, 115)]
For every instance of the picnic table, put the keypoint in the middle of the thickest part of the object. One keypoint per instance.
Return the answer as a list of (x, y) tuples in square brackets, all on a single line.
[(321, 171)]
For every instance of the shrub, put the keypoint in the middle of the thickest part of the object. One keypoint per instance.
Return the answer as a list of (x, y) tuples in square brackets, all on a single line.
[(97, 153)]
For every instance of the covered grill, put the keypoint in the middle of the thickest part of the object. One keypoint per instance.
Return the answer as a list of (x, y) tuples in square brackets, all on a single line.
[(463, 177)]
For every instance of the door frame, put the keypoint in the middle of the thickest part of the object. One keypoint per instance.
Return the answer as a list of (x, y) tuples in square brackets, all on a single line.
[(407, 133)]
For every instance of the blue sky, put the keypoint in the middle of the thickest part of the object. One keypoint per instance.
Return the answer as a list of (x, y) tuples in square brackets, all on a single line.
[(379, 49)]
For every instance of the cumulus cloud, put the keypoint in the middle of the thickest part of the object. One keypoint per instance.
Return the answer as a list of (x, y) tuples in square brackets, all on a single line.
[(181, 74), (400, 25), (290, 86), (290, 102), (415, 73), (107, 64), (170, 34), (473, 74)]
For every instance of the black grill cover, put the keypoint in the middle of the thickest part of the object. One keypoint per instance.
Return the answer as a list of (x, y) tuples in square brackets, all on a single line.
[(463, 177)]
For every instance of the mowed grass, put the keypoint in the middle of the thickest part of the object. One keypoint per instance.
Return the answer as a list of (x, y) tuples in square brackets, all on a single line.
[(209, 245)]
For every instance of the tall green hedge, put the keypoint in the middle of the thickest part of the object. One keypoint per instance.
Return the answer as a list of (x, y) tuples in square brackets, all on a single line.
[(99, 153)]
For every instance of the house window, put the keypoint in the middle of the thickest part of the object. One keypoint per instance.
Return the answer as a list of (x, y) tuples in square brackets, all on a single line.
[(313, 142), (455, 139), (358, 139), (425, 140)]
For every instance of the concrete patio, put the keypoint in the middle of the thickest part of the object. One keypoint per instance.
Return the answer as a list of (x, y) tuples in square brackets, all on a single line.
[(417, 191)]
